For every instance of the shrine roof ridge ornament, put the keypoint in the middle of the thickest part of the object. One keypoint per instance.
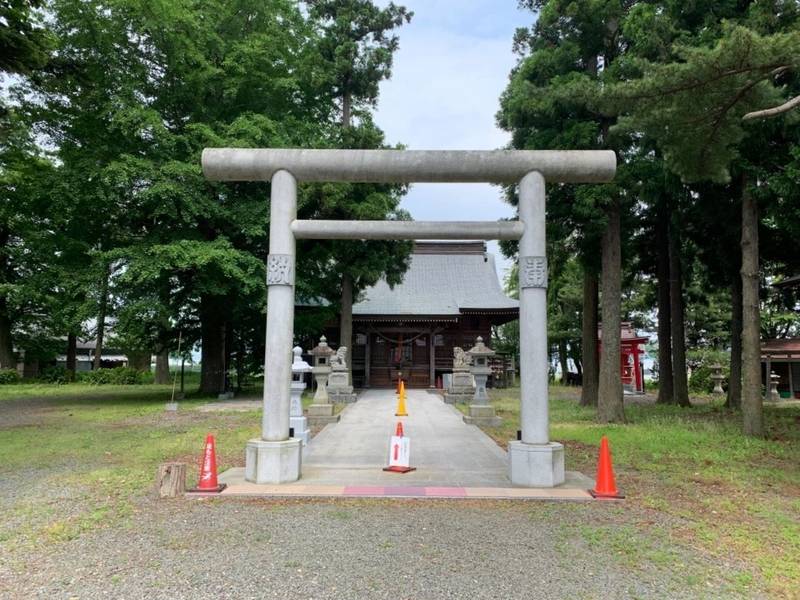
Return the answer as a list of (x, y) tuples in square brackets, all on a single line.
[(401, 166)]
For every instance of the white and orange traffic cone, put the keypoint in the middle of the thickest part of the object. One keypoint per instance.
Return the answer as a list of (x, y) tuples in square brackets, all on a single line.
[(399, 452)]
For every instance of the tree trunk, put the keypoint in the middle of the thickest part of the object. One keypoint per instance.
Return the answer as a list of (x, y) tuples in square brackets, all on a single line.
[(576, 360), (240, 374), (6, 341), (734, 399), (346, 110), (162, 367), (346, 322), (101, 318), (72, 355), (665, 390), (139, 360), (171, 480), (562, 359), (589, 341), (7, 360), (610, 407), (212, 353), (680, 384), (752, 422), (229, 346)]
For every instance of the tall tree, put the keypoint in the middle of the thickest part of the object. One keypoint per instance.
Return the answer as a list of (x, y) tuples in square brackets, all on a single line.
[(662, 226), (680, 383), (700, 107), (24, 46), (136, 93), (550, 103), (358, 46), (26, 239)]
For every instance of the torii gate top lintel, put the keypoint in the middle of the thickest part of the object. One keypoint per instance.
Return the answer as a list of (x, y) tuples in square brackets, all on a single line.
[(408, 166)]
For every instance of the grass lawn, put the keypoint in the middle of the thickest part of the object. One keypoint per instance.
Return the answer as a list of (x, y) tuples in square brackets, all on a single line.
[(79, 456), (732, 493), (76, 458)]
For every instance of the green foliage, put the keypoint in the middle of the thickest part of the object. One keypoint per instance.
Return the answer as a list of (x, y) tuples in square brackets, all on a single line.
[(701, 361), (8, 376), (54, 374), (23, 39), (693, 106), (357, 45), (115, 376), (117, 217)]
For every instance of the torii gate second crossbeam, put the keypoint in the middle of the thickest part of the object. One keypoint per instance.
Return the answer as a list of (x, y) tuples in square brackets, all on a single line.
[(534, 461)]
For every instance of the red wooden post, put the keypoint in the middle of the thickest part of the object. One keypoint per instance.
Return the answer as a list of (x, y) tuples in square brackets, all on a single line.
[(636, 350)]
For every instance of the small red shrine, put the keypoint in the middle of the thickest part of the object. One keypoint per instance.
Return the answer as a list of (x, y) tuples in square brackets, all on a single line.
[(631, 351)]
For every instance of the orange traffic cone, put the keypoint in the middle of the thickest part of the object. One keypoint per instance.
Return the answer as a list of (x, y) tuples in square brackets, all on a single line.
[(208, 470), (401, 402), (399, 430), (604, 486)]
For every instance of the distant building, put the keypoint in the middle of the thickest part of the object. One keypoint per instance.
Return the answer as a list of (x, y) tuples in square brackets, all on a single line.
[(782, 356), (110, 357), (631, 355)]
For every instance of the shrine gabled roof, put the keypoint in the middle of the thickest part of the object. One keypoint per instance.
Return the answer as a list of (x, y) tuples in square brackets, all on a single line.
[(444, 278)]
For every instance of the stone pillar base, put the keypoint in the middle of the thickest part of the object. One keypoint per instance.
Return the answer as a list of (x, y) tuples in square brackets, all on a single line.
[(342, 397), (320, 410), (300, 427), (273, 462), (482, 415), (458, 397), (536, 465), (321, 414)]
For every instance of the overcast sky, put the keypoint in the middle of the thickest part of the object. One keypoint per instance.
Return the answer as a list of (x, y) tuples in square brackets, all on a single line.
[(452, 66)]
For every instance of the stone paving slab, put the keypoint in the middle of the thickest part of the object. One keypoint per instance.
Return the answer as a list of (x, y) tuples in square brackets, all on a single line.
[(251, 490), (444, 450)]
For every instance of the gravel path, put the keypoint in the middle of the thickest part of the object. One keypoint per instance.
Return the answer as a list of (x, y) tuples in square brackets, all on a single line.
[(357, 549)]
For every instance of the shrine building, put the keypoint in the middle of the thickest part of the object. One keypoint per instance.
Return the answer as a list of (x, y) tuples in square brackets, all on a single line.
[(449, 296), (631, 353)]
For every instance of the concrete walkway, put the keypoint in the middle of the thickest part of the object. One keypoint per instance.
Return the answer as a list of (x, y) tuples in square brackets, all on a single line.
[(444, 449), (450, 457)]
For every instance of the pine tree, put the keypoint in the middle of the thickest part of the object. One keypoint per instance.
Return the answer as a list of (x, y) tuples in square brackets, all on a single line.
[(707, 108)]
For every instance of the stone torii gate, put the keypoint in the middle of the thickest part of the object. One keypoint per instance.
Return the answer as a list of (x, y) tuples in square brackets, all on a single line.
[(534, 461)]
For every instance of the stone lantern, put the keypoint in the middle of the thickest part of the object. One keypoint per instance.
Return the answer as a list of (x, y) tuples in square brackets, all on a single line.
[(774, 380), (297, 421), (321, 411), (717, 377), (480, 411)]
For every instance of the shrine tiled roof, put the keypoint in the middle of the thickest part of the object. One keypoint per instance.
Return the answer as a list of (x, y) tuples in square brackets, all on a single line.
[(785, 346), (444, 278)]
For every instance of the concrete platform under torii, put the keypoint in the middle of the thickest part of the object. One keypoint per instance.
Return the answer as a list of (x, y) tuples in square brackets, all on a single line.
[(453, 460)]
